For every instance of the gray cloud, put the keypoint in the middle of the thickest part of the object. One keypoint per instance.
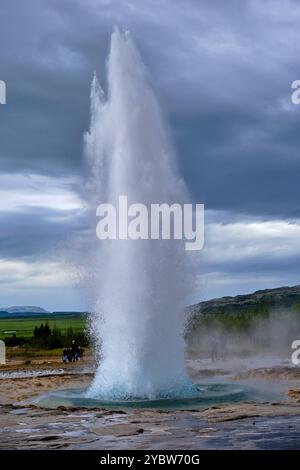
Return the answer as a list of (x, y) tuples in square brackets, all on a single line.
[(38, 233), (223, 72)]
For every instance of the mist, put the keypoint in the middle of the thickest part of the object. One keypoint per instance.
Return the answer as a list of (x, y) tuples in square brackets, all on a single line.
[(222, 338)]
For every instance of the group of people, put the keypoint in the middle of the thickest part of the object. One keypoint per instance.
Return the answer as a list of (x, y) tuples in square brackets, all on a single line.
[(73, 353)]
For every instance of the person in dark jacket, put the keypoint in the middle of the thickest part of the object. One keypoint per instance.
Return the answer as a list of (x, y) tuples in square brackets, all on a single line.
[(65, 355), (74, 350)]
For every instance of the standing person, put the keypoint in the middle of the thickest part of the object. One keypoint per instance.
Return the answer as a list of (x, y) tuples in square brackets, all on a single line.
[(80, 353), (65, 355), (69, 354), (214, 348), (74, 350)]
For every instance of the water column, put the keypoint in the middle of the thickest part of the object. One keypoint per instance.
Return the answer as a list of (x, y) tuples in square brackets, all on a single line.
[(138, 287)]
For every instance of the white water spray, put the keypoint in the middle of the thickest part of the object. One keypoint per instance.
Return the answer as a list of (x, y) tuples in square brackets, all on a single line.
[(138, 286)]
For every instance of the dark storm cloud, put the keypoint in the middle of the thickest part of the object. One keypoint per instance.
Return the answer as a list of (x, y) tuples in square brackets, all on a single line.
[(223, 72), (38, 233)]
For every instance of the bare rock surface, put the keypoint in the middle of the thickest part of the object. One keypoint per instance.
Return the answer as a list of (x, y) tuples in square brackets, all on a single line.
[(245, 425)]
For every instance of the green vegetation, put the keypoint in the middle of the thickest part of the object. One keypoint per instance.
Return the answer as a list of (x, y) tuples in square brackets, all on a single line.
[(25, 327), (243, 322), (242, 312), (43, 332)]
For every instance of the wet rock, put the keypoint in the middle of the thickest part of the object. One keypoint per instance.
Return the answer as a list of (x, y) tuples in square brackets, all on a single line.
[(294, 394)]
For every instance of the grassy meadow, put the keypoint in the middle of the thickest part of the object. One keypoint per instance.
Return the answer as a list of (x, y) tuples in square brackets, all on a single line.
[(42, 335), (24, 327)]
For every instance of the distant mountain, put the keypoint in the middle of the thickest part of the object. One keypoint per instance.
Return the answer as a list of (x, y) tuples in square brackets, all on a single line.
[(23, 309), (261, 300), (268, 299)]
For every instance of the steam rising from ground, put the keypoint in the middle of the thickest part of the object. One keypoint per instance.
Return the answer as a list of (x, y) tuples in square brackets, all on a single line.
[(230, 338)]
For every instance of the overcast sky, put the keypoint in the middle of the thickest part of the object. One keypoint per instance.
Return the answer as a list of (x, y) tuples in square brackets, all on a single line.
[(223, 74)]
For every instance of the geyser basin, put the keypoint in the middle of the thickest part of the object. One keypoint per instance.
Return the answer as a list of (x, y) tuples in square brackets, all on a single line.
[(203, 395)]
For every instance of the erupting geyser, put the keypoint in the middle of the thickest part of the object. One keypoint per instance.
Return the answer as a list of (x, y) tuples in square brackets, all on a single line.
[(138, 286)]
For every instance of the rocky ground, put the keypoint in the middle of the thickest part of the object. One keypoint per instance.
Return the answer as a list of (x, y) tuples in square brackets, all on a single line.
[(262, 425)]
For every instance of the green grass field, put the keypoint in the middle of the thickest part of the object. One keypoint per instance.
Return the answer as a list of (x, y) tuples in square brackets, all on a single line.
[(24, 327)]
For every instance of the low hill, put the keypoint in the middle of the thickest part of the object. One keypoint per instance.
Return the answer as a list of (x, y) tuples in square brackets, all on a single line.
[(23, 309), (241, 311), (280, 298), (36, 313)]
